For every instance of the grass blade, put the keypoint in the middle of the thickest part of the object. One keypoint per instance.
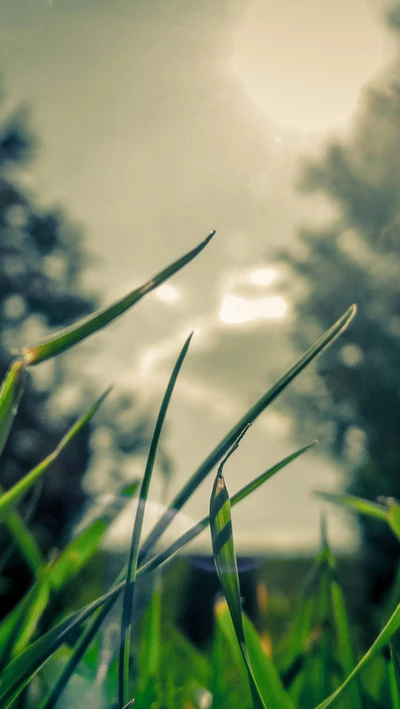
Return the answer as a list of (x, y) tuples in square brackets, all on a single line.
[(13, 495), (127, 604), (154, 563), (226, 565), (197, 528), (11, 391), (383, 639), (24, 540), (251, 415), (264, 669), (71, 336), (358, 504), (10, 395)]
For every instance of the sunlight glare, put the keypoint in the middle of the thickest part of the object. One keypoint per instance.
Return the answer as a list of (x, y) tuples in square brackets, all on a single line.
[(168, 293), (235, 310), (262, 276)]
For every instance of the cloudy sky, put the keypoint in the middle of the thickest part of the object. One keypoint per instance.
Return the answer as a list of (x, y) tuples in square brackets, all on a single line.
[(159, 121)]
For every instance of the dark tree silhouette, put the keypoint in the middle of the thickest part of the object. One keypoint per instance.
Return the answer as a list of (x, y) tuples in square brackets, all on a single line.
[(356, 258)]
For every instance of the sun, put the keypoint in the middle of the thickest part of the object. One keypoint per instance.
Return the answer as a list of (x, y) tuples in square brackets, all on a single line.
[(304, 61)]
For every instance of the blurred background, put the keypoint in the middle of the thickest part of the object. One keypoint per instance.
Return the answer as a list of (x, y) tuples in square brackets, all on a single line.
[(129, 131)]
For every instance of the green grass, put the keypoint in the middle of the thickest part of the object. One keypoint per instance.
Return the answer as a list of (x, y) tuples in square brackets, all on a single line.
[(77, 659)]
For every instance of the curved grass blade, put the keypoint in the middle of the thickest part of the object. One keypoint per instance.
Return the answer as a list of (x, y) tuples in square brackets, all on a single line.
[(10, 395), (345, 652), (90, 632), (71, 336), (11, 391), (197, 528), (226, 565), (394, 677), (20, 671), (24, 540), (388, 512), (13, 495), (127, 603), (268, 679), (31, 660), (383, 639), (358, 504), (52, 578), (251, 415)]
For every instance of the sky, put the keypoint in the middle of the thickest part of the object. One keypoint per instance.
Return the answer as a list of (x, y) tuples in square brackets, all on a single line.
[(157, 122)]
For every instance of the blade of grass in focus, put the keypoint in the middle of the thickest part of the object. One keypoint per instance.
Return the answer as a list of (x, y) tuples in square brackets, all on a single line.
[(14, 494), (226, 565), (71, 336), (162, 557), (127, 602), (197, 528), (251, 415)]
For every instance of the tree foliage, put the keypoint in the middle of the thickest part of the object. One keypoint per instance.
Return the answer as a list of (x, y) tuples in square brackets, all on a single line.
[(356, 258)]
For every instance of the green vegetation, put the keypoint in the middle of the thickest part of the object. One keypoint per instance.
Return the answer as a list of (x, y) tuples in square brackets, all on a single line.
[(65, 661)]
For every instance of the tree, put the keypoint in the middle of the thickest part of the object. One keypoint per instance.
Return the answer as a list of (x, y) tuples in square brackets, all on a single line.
[(356, 258), (42, 262)]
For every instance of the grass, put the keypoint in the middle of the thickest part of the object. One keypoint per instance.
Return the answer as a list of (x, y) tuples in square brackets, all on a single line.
[(74, 662)]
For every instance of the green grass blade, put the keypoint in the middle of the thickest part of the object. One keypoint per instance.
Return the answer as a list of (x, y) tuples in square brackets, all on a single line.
[(393, 516), (394, 677), (345, 652), (71, 336), (358, 504), (11, 391), (10, 395), (226, 565), (197, 528), (383, 639), (268, 680), (24, 540), (14, 494), (149, 655), (127, 603), (20, 671), (110, 598), (251, 415), (26, 615)]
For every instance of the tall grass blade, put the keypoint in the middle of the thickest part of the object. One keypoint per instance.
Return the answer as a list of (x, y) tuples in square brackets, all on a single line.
[(269, 682), (357, 504), (197, 528), (345, 652), (71, 336), (110, 598), (383, 639), (10, 395), (127, 603), (394, 677), (26, 615), (226, 565), (11, 391), (251, 415), (24, 540), (13, 495)]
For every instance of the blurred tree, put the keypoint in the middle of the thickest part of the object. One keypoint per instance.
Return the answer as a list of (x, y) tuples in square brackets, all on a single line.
[(42, 263), (356, 258)]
